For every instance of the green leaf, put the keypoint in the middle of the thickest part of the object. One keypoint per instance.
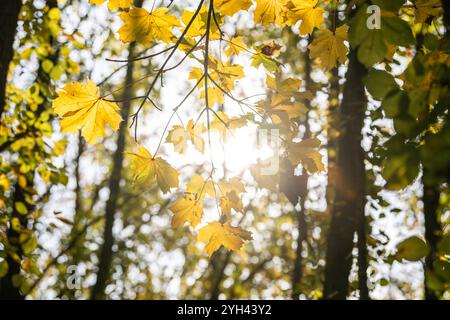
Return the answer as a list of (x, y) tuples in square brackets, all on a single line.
[(379, 83), (411, 249), (3, 268), (432, 281), (394, 103), (417, 102), (21, 207), (397, 31), (391, 5), (442, 269), (384, 282), (444, 245), (431, 41), (373, 49), (47, 65), (401, 165), (56, 72), (405, 124), (28, 243)]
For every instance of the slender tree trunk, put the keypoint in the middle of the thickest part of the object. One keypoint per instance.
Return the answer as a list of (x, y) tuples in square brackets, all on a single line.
[(302, 228), (9, 14), (332, 134), (350, 189), (430, 200), (105, 258), (302, 190), (363, 259), (218, 273)]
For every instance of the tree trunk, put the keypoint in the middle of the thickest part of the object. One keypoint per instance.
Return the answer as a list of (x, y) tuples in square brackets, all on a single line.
[(9, 14), (350, 178), (430, 200), (302, 189), (217, 274), (362, 253), (105, 258), (332, 134)]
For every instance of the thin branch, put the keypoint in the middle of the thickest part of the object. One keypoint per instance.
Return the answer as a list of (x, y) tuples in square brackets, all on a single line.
[(141, 58), (160, 71)]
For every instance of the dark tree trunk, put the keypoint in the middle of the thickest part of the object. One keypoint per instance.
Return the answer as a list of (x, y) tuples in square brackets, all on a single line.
[(350, 184), (105, 258), (217, 273), (430, 200), (302, 189), (9, 14), (302, 228), (362, 254), (332, 133)]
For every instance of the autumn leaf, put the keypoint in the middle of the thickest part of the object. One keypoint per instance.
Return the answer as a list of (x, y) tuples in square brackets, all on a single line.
[(232, 185), (230, 201), (216, 234), (427, 8), (179, 136), (271, 49), (147, 168), (224, 124), (265, 55), (197, 27), (114, 5), (308, 11), (270, 11), (187, 209), (81, 107), (236, 45), (280, 106), (201, 188), (329, 47), (224, 74), (230, 7), (306, 153), (144, 27)]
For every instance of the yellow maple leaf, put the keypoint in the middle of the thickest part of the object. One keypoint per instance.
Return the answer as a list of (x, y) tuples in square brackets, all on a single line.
[(201, 188), (225, 125), (197, 27), (216, 234), (236, 45), (232, 185), (329, 47), (179, 136), (224, 76), (308, 11), (144, 27), (230, 7), (114, 5), (231, 201), (307, 153), (270, 11), (280, 106), (187, 209), (149, 168), (81, 107)]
